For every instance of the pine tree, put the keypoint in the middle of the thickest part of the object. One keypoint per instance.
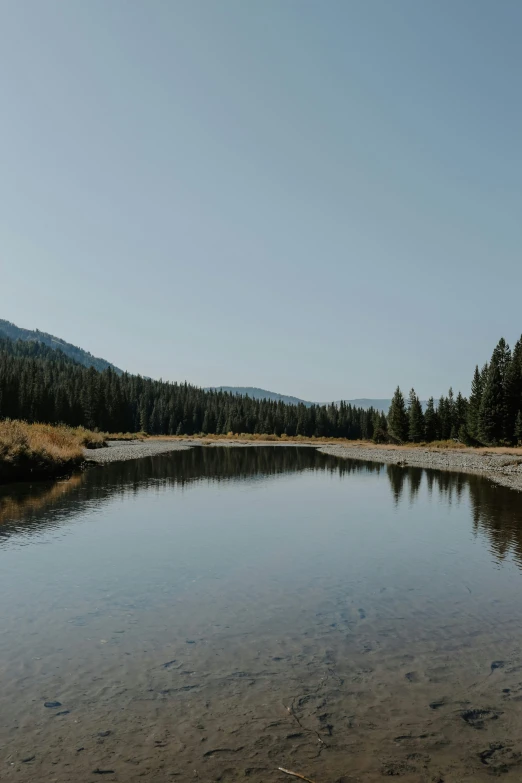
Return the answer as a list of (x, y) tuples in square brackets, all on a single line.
[(430, 421), (474, 404), (416, 418), (380, 428), (513, 390), (460, 414), (518, 428), (492, 408), (452, 432), (493, 412), (398, 422), (444, 414)]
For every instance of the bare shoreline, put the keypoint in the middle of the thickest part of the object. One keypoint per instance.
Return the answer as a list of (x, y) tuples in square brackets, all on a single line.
[(123, 450), (504, 469)]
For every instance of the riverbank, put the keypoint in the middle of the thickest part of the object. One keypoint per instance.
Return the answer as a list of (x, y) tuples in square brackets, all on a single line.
[(37, 451), (41, 451), (503, 466), (123, 450)]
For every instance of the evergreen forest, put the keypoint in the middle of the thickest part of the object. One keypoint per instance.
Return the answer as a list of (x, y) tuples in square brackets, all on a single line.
[(41, 384)]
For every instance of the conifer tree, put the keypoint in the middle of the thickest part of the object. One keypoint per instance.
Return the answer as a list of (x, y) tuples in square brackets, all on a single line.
[(474, 404), (416, 418), (493, 409), (460, 414), (513, 390), (398, 422), (430, 421), (451, 429), (444, 413), (518, 428)]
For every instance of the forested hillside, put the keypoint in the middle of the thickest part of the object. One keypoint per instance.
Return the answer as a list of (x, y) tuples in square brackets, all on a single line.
[(40, 384), (7, 329)]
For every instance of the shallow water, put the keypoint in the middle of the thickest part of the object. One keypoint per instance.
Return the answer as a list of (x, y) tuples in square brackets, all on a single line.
[(224, 612)]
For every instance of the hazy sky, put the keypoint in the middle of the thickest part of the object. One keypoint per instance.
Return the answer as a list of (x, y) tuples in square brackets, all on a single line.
[(319, 198)]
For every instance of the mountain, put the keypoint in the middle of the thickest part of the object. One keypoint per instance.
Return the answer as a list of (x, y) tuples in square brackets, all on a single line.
[(259, 394), (7, 329), (263, 394)]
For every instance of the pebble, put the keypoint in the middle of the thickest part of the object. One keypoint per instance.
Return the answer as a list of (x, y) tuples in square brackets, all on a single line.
[(121, 451), (52, 705)]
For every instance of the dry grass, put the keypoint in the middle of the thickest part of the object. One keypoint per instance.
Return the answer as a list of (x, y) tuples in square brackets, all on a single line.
[(40, 450), (124, 436), (247, 437)]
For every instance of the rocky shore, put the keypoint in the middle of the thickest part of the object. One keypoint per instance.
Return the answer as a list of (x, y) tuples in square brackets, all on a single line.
[(505, 469), (123, 450)]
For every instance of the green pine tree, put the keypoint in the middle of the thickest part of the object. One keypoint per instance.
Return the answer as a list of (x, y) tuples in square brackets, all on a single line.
[(493, 409), (398, 422), (415, 418), (513, 390), (430, 421), (460, 415), (474, 404), (518, 428)]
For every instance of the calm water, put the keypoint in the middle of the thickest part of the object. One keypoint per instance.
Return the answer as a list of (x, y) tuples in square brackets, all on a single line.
[(222, 612)]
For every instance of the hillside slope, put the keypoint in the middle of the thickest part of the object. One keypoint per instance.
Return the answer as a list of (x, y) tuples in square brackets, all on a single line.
[(13, 332)]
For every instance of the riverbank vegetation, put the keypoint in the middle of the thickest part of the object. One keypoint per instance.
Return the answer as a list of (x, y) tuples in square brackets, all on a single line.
[(42, 450)]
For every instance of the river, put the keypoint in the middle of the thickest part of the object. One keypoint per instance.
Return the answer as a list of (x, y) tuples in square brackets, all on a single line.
[(217, 613)]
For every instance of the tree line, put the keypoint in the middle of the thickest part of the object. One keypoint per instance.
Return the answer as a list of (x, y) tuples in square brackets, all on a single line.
[(491, 416), (39, 384)]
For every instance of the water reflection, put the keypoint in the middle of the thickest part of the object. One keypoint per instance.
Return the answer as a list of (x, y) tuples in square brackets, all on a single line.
[(496, 511), (26, 509)]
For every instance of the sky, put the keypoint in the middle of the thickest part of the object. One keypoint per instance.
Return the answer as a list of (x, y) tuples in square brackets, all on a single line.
[(318, 198)]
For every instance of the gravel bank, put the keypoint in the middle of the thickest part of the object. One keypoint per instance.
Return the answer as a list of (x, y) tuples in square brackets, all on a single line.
[(505, 469), (123, 450)]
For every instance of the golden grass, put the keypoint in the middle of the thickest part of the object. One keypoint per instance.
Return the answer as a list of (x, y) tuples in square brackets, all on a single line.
[(39, 450), (124, 435)]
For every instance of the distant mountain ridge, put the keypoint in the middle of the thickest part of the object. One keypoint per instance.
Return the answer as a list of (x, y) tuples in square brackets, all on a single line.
[(263, 394), (379, 404), (259, 394), (7, 329)]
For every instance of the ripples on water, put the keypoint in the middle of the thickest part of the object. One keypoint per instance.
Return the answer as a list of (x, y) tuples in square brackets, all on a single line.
[(228, 611)]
